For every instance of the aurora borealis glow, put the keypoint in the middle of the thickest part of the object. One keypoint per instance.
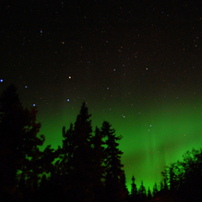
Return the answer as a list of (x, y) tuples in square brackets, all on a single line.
[(137, 64), (150, 141)]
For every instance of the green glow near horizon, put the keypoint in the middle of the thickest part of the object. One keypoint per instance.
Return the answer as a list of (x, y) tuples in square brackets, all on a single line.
[(151, 140)]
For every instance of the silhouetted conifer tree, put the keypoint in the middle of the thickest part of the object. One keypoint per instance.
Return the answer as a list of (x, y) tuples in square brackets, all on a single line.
[(142, 192), (31, 167), (82, 161), (65, 165), (149, 194), (133, 194), (46, 186), (75, 168), (115, 177), (19, 143), (98, 164), (155, 190)]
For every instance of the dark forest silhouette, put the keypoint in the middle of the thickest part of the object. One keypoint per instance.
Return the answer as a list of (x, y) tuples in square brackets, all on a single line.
[(86, 167)]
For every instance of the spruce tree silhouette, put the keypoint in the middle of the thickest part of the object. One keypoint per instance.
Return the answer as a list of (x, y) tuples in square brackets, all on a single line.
[(155, 190), (142, 192), (89, 166), (114, 173), (77, 160), (134, 194), (149, 194), (98, 159), (18, 146)]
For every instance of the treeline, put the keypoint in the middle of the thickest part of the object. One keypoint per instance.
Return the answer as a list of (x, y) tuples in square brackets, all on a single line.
[(182, 180), (85, 168)]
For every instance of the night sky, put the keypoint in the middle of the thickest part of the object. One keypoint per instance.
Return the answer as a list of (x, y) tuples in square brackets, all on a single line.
[(137, 64)]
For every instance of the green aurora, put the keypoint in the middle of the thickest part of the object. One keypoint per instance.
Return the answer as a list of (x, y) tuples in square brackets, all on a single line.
[(137, 64), (153, 136)]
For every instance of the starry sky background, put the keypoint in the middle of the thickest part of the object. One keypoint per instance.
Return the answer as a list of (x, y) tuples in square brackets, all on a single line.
[(137, 64)]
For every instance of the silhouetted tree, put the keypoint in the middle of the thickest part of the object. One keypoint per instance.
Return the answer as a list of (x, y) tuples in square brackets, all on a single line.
[(173, 177), (133, 194), (163, 189), (86, 168), (29, 173), (185, 177), (47, 189), (11, 128), (98, 157), (191, 180), (155, 190), (114, 177), (68, 150), (62, 175), (149, 194), (83, 157), (142, 192), (18, 146), (75, 167)]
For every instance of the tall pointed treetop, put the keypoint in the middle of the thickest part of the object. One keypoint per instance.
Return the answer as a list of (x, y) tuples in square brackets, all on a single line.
[(83, 124)]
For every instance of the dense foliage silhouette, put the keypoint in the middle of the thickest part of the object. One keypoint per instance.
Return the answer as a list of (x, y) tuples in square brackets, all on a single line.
[(19, 153), (85, 168)]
